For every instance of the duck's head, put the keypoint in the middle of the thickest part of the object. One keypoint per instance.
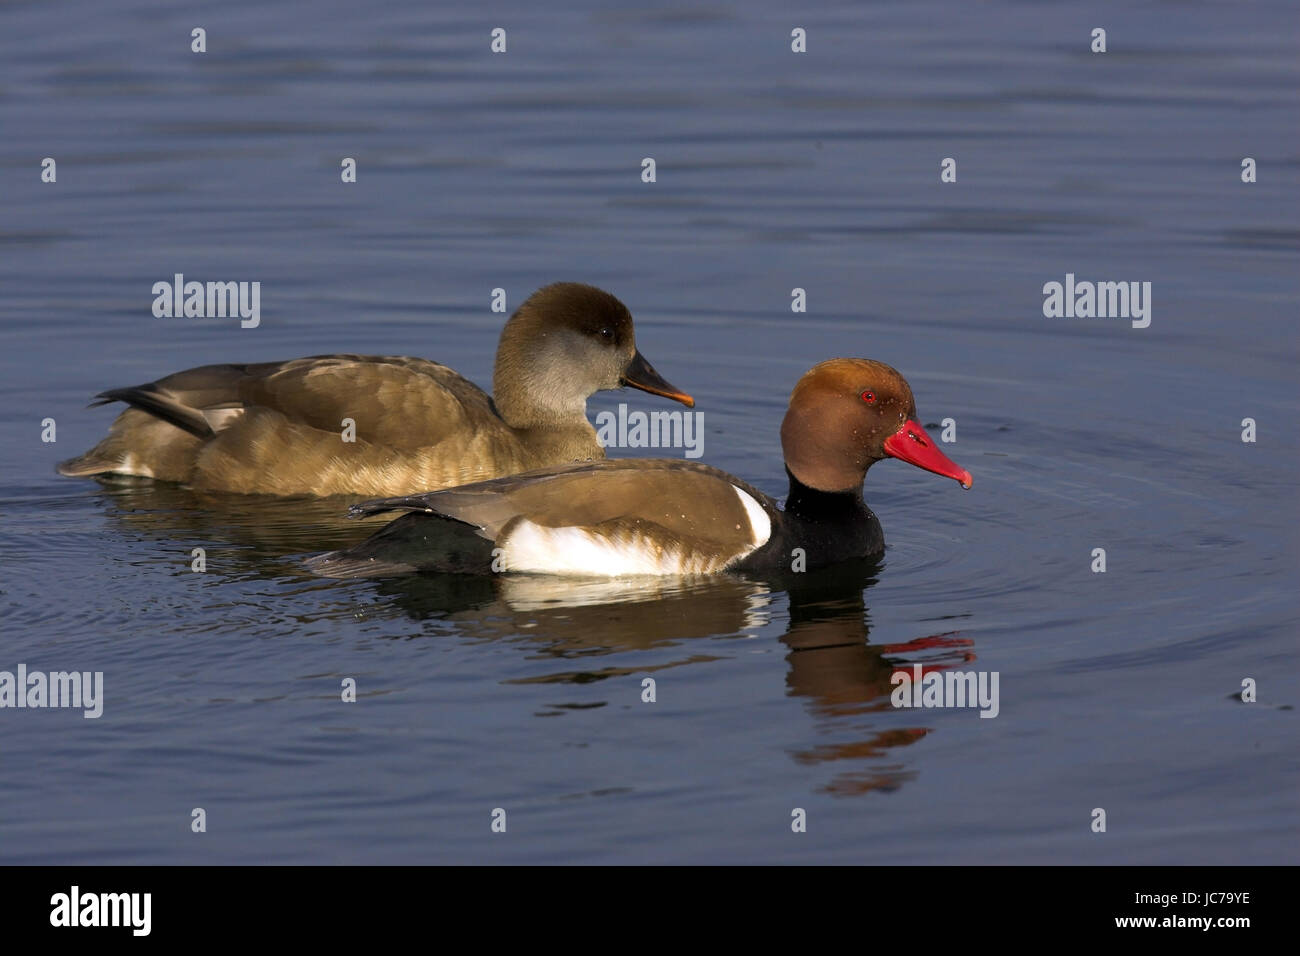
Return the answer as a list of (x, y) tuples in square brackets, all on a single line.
[(565, 342), (847, 414)]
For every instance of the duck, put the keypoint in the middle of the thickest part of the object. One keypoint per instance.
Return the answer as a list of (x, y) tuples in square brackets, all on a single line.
[(382, 425), (631, 517)]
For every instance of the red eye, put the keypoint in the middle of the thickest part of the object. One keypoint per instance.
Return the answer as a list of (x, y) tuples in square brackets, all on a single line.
[(869, 397)]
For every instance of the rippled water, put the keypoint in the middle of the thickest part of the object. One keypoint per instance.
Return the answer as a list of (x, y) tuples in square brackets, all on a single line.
[(775, 171)]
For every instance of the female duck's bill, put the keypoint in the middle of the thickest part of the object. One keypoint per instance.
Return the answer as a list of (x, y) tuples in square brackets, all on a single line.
[(668, 516), (384, 425)]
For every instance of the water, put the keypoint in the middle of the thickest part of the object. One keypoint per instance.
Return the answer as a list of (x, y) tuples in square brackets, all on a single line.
[(774, 171)]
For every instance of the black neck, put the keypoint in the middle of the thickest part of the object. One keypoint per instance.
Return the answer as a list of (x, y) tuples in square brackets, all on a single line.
[(809, 504)]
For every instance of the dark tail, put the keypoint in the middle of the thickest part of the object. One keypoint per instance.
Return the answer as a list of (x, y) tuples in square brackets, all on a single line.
[(150, 398), (409, 544)]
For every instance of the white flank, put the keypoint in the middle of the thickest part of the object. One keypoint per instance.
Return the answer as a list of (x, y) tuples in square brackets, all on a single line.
[(533, 549), (760, 525)]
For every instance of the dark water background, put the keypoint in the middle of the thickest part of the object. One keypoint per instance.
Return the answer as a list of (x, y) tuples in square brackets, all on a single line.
[(775, 170)]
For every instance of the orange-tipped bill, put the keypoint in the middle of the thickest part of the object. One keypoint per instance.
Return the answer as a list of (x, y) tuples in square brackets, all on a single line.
[(911, 444), (641, 374)]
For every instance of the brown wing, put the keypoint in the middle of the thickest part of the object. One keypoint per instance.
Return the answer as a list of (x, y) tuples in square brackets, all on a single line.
[(398, 402)]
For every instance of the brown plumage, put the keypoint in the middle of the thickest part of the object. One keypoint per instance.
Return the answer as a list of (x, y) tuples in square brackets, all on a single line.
[(277, 427)]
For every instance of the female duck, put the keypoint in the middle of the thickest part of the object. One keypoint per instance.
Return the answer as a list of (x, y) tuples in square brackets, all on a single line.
[(278, 427)]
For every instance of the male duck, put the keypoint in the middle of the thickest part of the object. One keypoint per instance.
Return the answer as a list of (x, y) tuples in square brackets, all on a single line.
[(670, 516)]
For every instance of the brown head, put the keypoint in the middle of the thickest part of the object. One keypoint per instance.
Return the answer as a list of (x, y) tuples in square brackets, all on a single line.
[(565, 342), (847, 414)]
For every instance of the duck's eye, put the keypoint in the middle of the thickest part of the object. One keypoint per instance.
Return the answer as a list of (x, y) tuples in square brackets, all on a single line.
[(607, 334), (869, 397)]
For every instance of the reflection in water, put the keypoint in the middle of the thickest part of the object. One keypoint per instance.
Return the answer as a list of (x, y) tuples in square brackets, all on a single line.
[(844, 679), (262, 533)]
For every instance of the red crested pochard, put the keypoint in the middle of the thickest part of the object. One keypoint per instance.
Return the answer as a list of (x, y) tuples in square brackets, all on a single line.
[(278, 427), (670, 516)]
